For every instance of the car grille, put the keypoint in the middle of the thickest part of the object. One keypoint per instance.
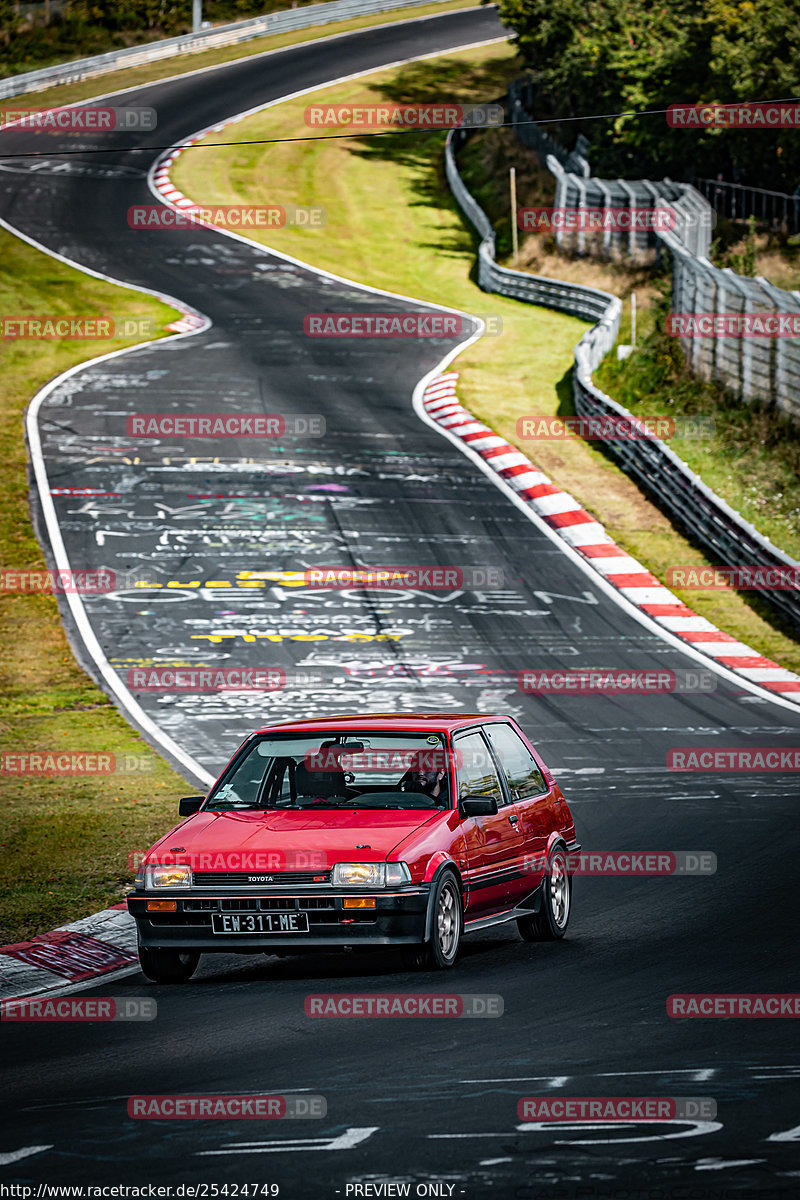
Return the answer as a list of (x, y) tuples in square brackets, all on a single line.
[(196, 911), (252, 879), (258, 904)]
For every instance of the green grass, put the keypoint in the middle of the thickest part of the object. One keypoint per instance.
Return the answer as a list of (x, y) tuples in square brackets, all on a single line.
[(65, 839), (392, 223), (753, 459)]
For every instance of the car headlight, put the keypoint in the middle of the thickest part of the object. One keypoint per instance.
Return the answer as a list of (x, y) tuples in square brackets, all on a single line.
[(177, 875), (375, 875)]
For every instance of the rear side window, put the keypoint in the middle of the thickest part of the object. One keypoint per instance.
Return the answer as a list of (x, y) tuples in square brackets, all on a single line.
[(520, 767)]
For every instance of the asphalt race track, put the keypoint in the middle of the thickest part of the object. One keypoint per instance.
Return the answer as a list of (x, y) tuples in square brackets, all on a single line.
[(422, 1102)]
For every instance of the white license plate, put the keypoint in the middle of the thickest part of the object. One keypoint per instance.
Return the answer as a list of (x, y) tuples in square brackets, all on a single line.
[(291, 922)]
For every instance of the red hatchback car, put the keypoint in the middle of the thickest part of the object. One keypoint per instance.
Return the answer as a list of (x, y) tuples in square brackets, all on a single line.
[(361, 831)]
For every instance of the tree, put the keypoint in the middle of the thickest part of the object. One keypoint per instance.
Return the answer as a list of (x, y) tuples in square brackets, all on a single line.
[(622, 56)]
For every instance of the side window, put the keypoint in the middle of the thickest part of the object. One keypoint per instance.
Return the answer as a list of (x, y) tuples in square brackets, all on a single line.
[(244, 782), (521, 771), (476, 772)]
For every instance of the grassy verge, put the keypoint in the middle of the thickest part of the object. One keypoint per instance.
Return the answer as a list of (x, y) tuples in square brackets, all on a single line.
[(752, 250), (753, 459), (151, 72), (391, 222), (65, 839)]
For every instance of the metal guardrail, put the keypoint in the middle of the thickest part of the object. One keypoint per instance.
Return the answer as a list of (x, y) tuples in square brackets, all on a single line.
[(587, 302), (576, 187), (740, 200), (193, 43), (666, 477), (750, 367)]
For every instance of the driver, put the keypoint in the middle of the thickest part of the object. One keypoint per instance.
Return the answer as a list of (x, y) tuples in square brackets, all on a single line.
[(431, 782)]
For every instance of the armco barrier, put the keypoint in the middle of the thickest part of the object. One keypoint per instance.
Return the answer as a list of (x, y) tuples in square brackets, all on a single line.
[(587, 302), (749, 367), (705, 515), (193, 43)]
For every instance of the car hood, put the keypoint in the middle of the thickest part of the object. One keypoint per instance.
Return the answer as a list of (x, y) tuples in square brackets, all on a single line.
[(282, 838)]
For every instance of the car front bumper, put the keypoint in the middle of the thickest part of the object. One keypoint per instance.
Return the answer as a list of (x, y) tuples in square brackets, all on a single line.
[(399, 918)]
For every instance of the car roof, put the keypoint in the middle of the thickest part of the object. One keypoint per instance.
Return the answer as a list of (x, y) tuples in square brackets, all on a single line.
[(404, 722)]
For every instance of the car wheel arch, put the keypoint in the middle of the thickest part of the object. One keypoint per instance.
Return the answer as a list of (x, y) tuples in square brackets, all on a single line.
[(447, 867), (556, 841)]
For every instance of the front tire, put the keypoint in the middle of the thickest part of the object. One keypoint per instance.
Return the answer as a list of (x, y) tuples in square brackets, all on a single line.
[(550, 923), (168, 966), (441, 952)]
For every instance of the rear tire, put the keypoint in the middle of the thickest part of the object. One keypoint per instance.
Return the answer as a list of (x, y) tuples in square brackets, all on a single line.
[(441, 952), (550, 923), (168, 966)]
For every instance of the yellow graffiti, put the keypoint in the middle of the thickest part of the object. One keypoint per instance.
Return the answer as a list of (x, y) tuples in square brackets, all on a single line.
[(244, 579), (216, 638)]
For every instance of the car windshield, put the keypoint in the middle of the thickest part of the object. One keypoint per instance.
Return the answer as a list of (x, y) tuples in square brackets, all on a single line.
[(337, 770)]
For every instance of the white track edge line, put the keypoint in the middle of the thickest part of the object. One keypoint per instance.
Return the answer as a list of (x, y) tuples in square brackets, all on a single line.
[(117, 688)]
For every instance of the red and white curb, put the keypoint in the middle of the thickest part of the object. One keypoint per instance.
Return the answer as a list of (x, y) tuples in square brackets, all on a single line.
[(71, 957), (587, 536), (170, 194), (163, 185)]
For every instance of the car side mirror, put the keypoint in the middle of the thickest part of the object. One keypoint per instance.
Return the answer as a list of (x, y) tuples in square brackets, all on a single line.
[(478, 806), (189, 805)]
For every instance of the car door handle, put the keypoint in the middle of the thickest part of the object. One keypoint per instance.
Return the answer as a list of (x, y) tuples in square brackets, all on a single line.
[(513, 818)]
